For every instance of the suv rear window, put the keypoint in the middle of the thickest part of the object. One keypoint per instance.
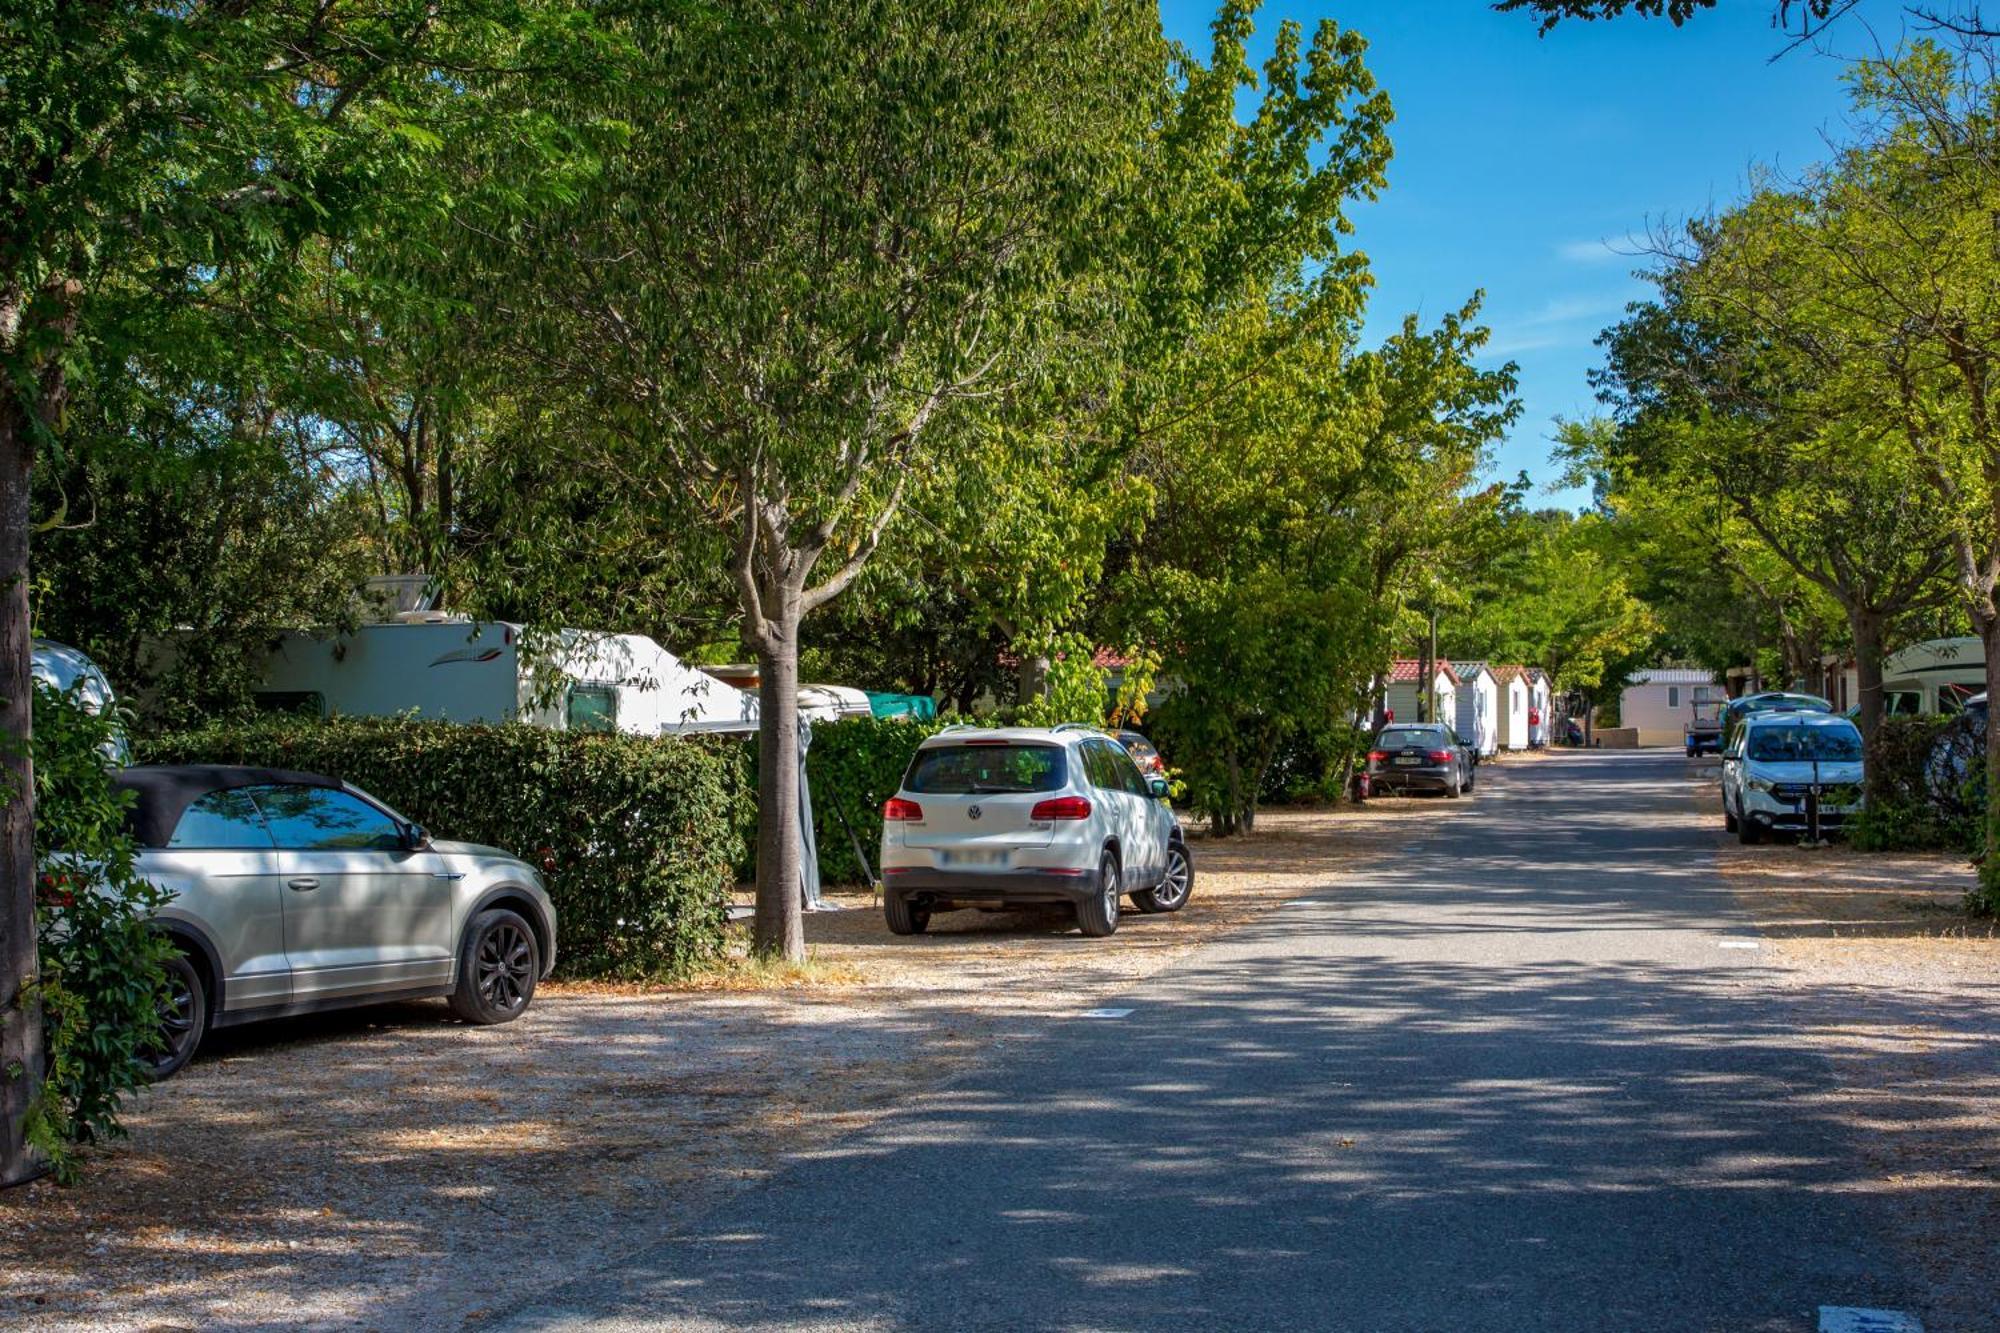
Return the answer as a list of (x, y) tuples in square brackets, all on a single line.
[(972, 770), (1397, 737)]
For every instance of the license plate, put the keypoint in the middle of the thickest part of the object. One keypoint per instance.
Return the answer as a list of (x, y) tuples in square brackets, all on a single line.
[(972, 858), (1409, 759)]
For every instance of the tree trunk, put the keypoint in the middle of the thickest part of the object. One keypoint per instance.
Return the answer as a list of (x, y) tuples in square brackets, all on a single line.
[(1032, 678), (780, 926), (20, 1007), (1988, 625), (1867, 628)]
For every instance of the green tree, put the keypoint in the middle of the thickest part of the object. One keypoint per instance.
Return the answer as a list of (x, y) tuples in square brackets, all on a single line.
[(1739, 379), (823, 239), (155, 157)]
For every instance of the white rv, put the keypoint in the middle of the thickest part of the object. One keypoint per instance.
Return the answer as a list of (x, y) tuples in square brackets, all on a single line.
[(458, 670), (1936, 676)]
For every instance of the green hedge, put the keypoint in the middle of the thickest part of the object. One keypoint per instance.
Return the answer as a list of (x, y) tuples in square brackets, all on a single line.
[(645, 832), (854, 765)]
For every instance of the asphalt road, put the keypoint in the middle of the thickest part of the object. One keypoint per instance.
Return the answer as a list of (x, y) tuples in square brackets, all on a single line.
[(1511, 1078)]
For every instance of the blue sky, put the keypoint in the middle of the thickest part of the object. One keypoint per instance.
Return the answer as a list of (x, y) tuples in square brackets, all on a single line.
[(1524, 164)]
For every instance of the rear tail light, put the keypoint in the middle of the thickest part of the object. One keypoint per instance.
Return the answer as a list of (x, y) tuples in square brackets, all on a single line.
[(898, 810), (1061, 807), (1378, 756), (1441, 756)]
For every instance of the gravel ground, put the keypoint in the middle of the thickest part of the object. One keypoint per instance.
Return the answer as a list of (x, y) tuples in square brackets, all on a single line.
[(1882, 969), (390, 1168)]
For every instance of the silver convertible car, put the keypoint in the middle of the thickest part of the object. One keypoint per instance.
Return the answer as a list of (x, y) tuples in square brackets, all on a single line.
[(294, 892)]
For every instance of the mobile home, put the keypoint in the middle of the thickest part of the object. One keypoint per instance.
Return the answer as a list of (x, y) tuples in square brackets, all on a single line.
[(1658, 703), (1478, 706), (1401, 692), (1510, 721)]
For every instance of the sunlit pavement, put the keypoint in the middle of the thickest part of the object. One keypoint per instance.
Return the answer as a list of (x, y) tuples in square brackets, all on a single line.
[(1512, 1078)]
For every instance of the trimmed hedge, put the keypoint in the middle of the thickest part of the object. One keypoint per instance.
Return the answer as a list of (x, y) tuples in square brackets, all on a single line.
[(854, 765), (644, 832)]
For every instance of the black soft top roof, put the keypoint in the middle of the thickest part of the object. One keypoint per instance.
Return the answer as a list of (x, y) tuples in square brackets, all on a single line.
[(165, 791)]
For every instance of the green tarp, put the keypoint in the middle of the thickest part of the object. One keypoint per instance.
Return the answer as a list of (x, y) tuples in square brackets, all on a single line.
[(901, 705)]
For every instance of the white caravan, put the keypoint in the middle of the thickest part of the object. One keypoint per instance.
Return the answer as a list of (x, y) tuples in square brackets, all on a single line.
[(1936, 676), (457, 670)]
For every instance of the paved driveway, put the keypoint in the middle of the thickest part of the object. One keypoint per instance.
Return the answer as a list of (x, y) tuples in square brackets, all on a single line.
[(1510, 1078)]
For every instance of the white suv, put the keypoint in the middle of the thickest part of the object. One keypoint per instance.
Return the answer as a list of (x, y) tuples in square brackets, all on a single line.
[(1004, 816)]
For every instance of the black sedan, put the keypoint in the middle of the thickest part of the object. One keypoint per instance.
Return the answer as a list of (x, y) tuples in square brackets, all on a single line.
[(1421, 756)]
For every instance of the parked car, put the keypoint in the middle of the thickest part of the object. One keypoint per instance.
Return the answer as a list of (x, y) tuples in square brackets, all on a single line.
[(1768, 701), (1781, 765), (1005, 817), (1420, 756), (295, 892), (1143, 753)]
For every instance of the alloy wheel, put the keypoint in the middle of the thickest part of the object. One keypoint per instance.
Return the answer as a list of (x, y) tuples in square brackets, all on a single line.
[(177, 1018), (504, 962), (1174, 884), (1107, 874)]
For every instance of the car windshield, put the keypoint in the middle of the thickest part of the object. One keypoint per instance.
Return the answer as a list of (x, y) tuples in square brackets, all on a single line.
[(1802, 744), (972, 770), (1402, 738)]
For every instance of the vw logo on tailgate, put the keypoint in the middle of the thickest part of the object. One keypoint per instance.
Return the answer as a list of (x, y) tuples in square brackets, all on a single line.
[(972, 812)]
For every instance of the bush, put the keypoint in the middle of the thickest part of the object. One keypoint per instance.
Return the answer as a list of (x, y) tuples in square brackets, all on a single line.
[(101, 983), (1918, 798), (854, 765), (644, 832)]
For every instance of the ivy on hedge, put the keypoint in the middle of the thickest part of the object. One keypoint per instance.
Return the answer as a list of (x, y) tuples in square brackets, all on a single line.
[(644, 832)]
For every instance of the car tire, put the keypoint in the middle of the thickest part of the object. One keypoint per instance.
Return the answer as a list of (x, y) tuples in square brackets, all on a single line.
[(1457, 783), (1171, 894), (183, 1020), (498, 966), (904, 917), (1728, 819), (1097, 915), (1748, 833)]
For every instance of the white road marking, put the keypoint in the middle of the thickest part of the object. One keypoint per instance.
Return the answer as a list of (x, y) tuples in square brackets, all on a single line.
[(1307, 902), (1104, 1013), (1738, 944), (1853, 1319)]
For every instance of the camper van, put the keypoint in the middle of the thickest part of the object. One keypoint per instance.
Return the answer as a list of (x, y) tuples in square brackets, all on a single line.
[(1936, 676), (454, 669)]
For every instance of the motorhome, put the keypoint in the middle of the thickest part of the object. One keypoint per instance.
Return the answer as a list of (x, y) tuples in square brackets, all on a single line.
[(1935, 676)]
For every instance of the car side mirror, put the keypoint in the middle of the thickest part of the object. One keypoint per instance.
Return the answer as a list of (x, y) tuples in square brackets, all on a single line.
[(415, 836), (1157, 786)]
